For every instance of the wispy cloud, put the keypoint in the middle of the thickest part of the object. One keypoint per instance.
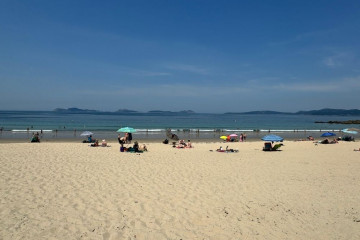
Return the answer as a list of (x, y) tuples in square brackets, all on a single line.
[(341, 85), (142, 73), (337, 59), (306, 36), (188, 68)]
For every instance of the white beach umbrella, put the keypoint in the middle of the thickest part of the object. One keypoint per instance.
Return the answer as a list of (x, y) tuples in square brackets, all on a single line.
[(86, 134)]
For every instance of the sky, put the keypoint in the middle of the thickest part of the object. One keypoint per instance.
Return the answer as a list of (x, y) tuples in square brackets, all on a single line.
[(172, 55)]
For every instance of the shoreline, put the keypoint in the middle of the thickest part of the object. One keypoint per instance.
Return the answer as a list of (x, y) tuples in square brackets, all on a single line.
[(74, 136)]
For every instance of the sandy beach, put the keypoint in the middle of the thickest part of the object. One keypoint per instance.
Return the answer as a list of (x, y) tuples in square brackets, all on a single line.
[(67, 190)]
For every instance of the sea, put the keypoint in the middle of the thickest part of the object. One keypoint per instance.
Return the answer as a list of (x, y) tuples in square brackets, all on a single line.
[(53, 125)]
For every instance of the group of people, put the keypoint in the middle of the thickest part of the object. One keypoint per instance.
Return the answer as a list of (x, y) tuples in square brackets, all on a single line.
[(126, 139), (327, 141), (227, 149), (135, 148), (96, 143), (35, 137), (242, 138), (183, 144)]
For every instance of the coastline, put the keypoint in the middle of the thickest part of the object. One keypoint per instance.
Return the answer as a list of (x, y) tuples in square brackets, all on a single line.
[(74, 136)]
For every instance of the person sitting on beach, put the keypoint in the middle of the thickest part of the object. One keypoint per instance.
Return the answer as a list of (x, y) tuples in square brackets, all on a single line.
[(95, 144), (35, 138), (310, 138), (136, 147), (334, 141), (104, 143), (126, 138), (220, 149), (182, 143), (189, 145), (91, 140), (129, 137)]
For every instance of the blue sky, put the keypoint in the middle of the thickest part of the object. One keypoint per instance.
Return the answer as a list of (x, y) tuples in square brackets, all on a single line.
[(207, 56)]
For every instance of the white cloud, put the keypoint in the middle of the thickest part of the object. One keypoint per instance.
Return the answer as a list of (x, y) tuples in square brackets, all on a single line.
[(341, 85), (338, 59), (188, 68)]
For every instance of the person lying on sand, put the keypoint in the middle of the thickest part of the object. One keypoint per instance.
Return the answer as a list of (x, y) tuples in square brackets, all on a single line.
[(227, 150), (143, 148), (182, 143)]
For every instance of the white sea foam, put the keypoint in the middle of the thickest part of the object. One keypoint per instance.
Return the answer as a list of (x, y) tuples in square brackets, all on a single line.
[(30, 130), (192, 130)]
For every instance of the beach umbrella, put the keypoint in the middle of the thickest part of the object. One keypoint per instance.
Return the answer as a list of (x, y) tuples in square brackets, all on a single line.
[(328, 134), (272, 138), (86, 133), (171, 135), (223, 137), (126, 129), (351, 130)]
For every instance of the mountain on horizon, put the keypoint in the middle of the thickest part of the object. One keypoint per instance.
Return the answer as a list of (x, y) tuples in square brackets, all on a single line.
[(120, 111), (259, 112), (74, 110), (324, 111), (330, 111)]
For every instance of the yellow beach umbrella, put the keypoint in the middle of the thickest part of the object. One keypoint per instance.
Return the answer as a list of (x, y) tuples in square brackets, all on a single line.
[(223, 137)]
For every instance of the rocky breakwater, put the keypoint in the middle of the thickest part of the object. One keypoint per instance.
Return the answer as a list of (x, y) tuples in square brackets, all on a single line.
[(341, 122)]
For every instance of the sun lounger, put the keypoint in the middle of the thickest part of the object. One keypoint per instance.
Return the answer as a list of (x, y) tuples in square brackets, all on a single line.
[(268, 146)]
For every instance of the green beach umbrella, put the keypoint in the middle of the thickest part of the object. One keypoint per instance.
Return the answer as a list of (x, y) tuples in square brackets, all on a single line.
[(126, 129)]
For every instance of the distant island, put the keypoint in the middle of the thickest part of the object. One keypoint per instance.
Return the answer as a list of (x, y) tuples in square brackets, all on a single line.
[(258, 112), (74, 110), (126, 111), (325, 111)]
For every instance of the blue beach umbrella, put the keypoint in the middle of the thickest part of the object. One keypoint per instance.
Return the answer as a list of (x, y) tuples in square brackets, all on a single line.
[(272, 138), (328, 134), (126, 129)]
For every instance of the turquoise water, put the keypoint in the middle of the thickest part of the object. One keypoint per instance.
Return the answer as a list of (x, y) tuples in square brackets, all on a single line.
[(20, 123)]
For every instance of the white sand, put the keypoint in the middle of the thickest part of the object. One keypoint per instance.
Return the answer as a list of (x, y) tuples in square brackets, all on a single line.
[(72, 191)]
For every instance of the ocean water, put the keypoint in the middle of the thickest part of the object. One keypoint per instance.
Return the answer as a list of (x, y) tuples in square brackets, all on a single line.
[(21, 124)]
